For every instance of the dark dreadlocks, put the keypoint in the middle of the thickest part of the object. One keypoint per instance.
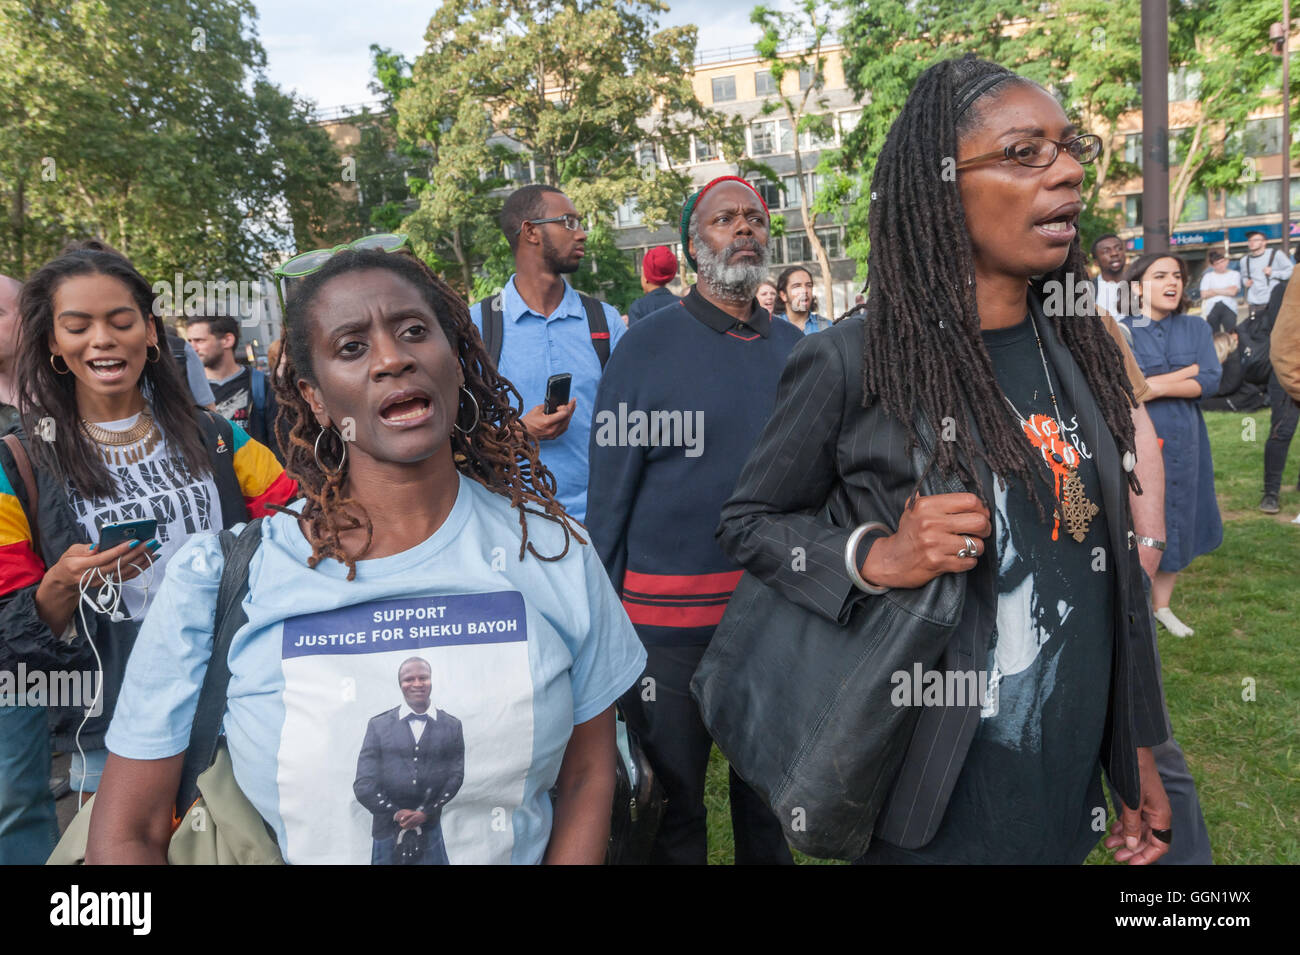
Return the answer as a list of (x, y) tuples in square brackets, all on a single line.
[(922, 271), (497, 453)]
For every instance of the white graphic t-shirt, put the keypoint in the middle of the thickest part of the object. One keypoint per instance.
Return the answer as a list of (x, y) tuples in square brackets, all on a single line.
[(517, 652), (160, 487)]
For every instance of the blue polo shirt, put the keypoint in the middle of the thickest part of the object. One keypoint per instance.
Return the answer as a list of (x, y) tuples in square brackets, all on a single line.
[(814, 324), (534, 347)]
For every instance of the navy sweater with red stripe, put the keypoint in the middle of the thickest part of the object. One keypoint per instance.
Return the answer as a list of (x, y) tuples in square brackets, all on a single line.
[(679, 409)]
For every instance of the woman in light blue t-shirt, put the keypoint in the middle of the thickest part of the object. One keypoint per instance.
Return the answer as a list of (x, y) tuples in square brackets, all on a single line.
[(431, 646)]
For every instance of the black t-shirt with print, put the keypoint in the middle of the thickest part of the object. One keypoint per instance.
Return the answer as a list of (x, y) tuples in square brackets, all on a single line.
[(1030, 785), (234, 397)]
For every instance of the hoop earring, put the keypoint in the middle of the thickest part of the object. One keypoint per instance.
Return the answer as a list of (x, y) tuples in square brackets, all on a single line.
[(477, 413), (153, 361), (316, 453), (66, 369)]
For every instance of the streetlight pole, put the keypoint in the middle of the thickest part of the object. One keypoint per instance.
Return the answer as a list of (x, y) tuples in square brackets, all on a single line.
[(1155, 125), (1281, 37)]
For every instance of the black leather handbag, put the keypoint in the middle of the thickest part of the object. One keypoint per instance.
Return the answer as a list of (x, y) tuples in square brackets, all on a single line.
[(800, 704), (638, 802)]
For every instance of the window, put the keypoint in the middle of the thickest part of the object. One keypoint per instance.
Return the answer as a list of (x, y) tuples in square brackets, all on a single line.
[(790, 186), (772, 136), (1295, 195), (627, 214), (520, 171), (830, 239), (776, 251), (646, 156), (679, 149), (1262, 137), (1133, 149), (806, 77), (1184, 84), (1259, 198), (724, 89), (706, 151), (1196, 207), (812, 139), (1133, 211), (764, 85), (849, 120), (770, 193), (797, 246)]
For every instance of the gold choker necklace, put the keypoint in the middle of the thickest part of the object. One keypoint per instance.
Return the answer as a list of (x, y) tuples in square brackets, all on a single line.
[(116, 446)]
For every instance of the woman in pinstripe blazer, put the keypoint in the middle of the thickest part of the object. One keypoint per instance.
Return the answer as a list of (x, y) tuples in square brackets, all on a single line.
[(975, 200)]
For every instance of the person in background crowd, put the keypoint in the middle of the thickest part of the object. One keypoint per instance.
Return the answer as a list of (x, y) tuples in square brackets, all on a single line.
[(547, 329), (9, 291), (186, 357), (1176, 353), (658, 269), (1284, 350), (1235, 392), (440, 500), (1262, 270), (1014, 781), (1108, 252), (242, 392), (1220, 285), (274, 359), (795, 287), (711, 360), (767, 297), (111, 434)]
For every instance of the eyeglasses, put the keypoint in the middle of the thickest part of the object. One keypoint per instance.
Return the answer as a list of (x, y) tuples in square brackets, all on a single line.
[(304, 264), (571, 222), (1037, 151)]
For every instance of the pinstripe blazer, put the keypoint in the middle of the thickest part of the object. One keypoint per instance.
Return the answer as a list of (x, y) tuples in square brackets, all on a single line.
[(824, 464)]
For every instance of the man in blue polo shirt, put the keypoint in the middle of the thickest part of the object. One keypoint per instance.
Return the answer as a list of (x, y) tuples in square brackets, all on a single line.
[(546, 331)]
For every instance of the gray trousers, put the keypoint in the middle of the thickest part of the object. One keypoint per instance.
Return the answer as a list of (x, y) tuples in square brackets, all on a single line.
[(1191, 840)]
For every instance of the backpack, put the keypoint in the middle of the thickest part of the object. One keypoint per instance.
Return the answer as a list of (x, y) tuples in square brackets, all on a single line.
[(494, 327), (1252, 346)]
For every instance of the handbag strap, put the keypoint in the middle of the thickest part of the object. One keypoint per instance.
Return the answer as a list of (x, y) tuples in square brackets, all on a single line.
[(24, 465), (205, 734)]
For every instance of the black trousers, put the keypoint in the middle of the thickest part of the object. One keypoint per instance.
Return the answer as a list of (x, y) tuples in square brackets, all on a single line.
[(1285, 414), (667, 720)]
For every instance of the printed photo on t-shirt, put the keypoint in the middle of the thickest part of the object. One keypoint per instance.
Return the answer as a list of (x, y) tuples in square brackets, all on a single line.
[(408, 730)]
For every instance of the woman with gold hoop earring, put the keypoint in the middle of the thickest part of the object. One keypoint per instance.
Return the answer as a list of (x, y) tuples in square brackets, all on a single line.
[(111, 433)]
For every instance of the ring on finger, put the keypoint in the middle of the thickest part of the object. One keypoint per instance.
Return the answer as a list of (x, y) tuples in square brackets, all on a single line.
[(969, 550)]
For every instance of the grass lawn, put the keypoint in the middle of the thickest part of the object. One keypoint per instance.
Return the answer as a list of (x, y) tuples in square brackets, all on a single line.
[(1244, 602)]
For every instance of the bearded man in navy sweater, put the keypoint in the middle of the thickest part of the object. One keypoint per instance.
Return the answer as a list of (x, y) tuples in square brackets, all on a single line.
[(677, 414)]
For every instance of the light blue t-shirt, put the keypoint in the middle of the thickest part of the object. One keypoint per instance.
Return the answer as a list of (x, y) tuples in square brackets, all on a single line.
[(520, 652), (534, 347)]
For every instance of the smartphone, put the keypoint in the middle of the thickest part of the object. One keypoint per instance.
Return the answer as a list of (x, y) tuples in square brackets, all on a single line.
[(110, 535), (557, 392)]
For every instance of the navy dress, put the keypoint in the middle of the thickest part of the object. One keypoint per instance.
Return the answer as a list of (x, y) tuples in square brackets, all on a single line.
[(1192, 523)]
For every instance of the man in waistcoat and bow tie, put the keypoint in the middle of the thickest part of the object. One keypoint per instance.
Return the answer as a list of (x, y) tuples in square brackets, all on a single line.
[(412, 763)]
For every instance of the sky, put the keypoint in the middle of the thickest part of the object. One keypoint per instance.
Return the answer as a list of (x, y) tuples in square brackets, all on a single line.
[(321, 48)]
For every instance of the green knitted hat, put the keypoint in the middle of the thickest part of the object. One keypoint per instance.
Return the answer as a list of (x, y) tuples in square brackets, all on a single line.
[(694, 201)]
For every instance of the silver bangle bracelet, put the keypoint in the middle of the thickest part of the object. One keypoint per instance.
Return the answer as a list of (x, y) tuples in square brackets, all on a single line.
[(851, 553), (1150, 542)]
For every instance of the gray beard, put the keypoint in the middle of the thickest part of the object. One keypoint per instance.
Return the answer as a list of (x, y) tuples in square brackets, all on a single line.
[(731, 283)]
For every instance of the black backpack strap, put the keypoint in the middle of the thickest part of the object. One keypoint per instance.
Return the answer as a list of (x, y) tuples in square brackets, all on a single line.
[(219, 440), (493, 326), (229, 617), (598, 326)]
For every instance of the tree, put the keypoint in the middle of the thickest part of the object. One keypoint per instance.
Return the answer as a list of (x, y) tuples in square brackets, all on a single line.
[(152, 126), (807, 31), (566, 92)]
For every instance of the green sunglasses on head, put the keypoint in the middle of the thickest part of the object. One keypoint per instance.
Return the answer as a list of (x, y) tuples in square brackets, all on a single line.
[(305, 263)]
